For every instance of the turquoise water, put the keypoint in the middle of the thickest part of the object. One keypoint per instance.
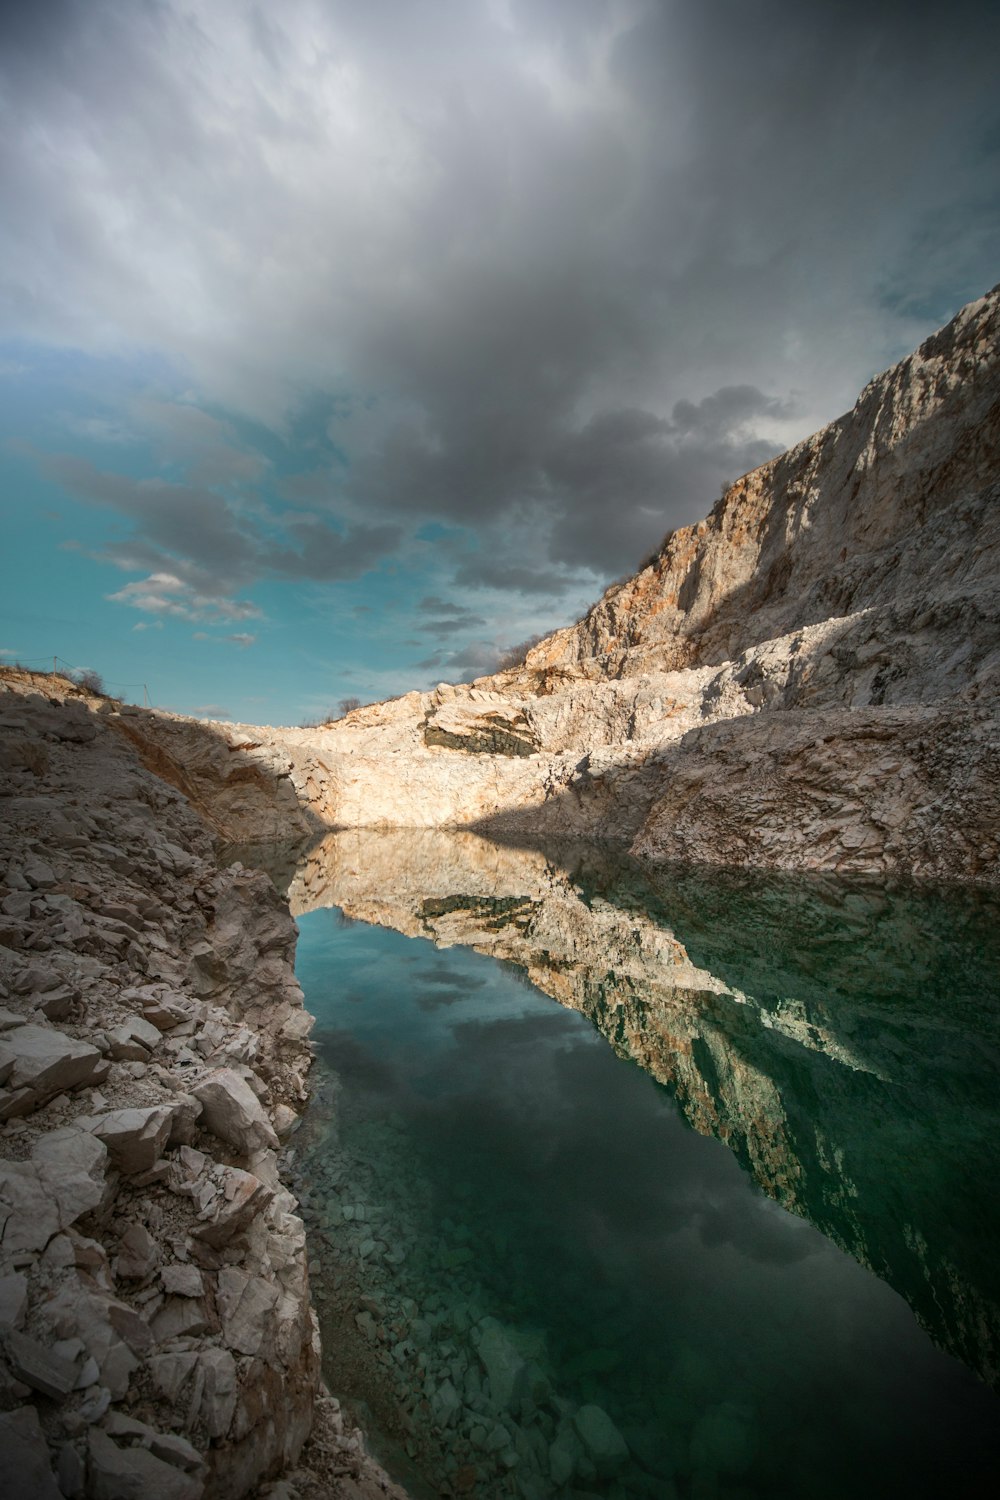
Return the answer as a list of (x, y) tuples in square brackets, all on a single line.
[(536, 1279)]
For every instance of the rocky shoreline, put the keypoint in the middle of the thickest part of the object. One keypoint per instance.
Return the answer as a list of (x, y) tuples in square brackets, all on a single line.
[(157, 1337)]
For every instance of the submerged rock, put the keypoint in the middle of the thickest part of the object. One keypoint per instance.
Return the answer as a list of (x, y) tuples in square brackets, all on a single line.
[(602, 1442)]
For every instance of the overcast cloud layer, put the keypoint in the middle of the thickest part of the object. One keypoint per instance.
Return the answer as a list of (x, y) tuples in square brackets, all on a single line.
[(545, 272)]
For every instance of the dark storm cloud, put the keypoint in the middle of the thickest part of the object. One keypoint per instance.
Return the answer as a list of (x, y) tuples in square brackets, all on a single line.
[(433, 604), (446, 617), (206, 447), (326, 554), (200, 549), (492, 572), (558, 265), (452, 627), (174, 520)]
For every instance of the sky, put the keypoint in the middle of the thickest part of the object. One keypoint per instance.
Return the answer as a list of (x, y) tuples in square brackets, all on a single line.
[(346, 346)]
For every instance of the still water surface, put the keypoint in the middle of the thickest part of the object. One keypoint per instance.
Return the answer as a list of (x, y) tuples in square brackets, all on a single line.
[(536, 1279)]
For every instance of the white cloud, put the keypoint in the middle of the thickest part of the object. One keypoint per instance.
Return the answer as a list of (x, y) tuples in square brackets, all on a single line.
[(164, 594)]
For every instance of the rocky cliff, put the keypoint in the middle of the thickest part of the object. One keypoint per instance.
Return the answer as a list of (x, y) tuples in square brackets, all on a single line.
[(807, 679), (156, 1333)]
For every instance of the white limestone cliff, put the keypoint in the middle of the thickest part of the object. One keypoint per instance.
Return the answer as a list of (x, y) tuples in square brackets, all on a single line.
[(807, 679)]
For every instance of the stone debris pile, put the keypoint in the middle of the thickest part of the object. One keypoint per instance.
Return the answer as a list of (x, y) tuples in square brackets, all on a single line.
[(156, 1333)]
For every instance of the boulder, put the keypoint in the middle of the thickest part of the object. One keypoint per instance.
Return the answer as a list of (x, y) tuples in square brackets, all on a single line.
[(495, 729), (63, 1180), (137, 1255), (45, 1060), (29, 1215), (162, 1009), (186, 1114), (179, 1317), (243, 1197), (176, 1450), (38, 1366), (130, 1327), (38, 873), (506, 1355), (142, 1031), (91, 1318), (134, 1474), (72, 1165), (565, 1452), (286, 1121), (124, 1047), (24, 1457), (182, 1281), (232, 1111), (604, 1444), (135, 1138)]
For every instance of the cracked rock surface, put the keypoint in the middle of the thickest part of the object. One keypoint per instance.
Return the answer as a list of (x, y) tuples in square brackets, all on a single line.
[(156, 1332)]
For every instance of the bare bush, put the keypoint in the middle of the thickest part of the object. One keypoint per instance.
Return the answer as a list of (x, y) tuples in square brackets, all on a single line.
[(515, 656), (91, 682)]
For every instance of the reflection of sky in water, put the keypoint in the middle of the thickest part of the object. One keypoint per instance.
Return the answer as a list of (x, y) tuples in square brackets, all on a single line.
[(404, 991), (624, 1229)]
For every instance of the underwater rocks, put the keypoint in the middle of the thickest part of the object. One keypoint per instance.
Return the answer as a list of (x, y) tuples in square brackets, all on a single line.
[(466, 1397)]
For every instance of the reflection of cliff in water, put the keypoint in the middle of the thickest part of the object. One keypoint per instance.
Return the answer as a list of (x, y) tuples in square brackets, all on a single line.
[(842, 1039)]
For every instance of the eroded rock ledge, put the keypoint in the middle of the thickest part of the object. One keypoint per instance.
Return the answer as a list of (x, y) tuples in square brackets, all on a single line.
[(156, 1333)]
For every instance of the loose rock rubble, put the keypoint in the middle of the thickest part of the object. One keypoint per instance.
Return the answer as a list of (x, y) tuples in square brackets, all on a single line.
[(156, 1333)]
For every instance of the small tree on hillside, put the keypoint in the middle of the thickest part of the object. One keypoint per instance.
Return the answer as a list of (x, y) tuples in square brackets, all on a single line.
[(347, 706)]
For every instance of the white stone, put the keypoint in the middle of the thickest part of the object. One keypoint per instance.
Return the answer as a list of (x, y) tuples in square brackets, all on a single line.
[(233, 1112), (182, 1281), (135, 1138), (46, 1060)]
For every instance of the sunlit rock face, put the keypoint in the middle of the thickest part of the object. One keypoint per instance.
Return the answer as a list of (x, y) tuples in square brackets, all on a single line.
[(807, 679), (842, 1039)]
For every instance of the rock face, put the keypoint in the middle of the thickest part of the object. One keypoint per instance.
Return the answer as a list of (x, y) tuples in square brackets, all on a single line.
[(156, 1332), (806, 679)]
